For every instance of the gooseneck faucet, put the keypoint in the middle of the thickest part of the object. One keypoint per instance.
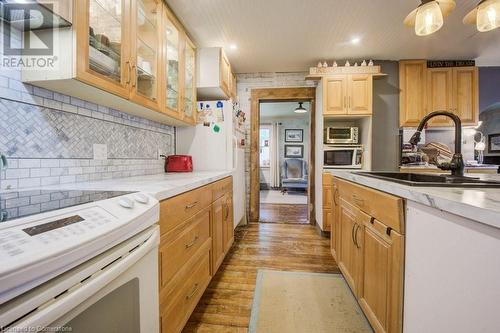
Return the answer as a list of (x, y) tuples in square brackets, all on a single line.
[(457, 162)]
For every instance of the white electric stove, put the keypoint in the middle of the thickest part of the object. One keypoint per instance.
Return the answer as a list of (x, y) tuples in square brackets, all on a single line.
[(61, 267)]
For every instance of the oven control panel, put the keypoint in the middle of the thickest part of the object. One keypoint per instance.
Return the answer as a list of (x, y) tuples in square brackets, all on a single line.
[(57, 231)]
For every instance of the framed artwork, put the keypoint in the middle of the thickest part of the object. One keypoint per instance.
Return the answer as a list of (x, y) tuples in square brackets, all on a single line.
[(294, 151), (494, 143), (294, 135)]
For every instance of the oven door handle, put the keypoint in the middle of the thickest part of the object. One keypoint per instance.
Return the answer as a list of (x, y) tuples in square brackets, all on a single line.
[(50, 311)]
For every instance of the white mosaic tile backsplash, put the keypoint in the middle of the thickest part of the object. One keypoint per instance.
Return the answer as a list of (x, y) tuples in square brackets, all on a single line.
[(48, 138)]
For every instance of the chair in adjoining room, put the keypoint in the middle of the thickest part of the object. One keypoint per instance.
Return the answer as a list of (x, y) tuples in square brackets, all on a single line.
[(294, 175)]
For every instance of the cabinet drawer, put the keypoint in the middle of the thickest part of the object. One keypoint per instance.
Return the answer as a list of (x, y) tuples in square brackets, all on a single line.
[(174, 253), (182, 301), (178, 209), (384, 207), (222, 187)]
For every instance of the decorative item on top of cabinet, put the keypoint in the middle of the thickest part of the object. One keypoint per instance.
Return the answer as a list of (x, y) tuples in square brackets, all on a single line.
[(370, 249), (113, 55), (215, 78)]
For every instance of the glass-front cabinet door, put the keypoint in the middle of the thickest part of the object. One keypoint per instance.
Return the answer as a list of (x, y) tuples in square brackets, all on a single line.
[(146, 18), (171, 65), (103, 44), (189, 97)]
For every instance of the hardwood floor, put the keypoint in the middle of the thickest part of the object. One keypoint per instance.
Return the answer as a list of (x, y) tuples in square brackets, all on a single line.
[(226, 304), (283, 213)]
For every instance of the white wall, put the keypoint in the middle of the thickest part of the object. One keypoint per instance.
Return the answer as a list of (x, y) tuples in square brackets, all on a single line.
[(452, 273)]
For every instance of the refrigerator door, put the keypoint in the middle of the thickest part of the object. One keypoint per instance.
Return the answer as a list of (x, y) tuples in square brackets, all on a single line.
[(210, 146)]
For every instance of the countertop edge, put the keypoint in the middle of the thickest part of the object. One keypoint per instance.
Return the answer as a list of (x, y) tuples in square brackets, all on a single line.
[(479, 214)]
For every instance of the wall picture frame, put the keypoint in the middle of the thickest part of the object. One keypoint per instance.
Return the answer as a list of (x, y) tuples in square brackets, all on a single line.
[(294, 135), (294, 151), (494, 143)]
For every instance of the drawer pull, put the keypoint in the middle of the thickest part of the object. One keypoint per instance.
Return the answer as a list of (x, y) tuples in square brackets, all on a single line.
[(335, 194), (192, 205), (356, 236), (194, 241), (193, 292), (227, 212), (388, 231), (352, 232)]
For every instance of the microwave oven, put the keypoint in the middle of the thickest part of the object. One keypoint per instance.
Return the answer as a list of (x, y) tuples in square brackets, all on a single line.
[(343, 157), (341, 135)]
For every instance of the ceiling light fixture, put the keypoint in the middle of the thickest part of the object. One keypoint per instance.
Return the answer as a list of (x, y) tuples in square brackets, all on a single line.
[(355, 40), (486, 16), (429, 16), (233, 47), (300, 109)]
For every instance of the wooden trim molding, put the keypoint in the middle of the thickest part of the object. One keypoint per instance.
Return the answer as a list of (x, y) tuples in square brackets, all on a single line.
[(277, 95)]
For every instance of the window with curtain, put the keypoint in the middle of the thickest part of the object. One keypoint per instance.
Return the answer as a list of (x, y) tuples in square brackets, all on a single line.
[(265, 147)]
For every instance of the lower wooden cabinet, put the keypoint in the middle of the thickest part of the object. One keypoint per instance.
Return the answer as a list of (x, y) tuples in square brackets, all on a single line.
[(197, 231), (370, 252), (381, 290), (228, 231), (349, 255)]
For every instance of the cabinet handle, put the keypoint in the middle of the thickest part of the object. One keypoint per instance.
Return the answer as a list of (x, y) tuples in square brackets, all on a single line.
[(129, 72), (227, 211), (345, 102), (335, 196), (193, 292), (192, 205), (134, 83), (352, 232), (195, 240), (356, 236)]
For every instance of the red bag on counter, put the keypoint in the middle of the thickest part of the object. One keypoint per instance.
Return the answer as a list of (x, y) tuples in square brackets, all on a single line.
[(178, 163)]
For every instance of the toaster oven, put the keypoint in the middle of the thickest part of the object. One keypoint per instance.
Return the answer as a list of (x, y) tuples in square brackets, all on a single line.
[(341, 135)]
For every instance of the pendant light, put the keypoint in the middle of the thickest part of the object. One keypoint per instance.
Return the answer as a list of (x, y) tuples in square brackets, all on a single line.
[(428, 17), (300, 109), (486, 16)]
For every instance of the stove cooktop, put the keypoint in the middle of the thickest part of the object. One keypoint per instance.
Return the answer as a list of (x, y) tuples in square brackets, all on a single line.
[(14, 205)]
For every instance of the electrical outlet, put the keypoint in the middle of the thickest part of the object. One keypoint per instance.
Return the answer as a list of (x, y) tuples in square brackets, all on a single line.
[(100, 151)]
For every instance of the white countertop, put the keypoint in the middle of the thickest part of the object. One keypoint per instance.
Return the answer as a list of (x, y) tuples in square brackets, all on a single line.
[(482, 205), (161, 186)]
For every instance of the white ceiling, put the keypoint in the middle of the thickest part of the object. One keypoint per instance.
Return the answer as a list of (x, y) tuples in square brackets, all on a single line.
[(279, 110), (292, 35)]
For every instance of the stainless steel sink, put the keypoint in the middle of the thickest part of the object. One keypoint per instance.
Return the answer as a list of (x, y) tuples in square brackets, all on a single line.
[(417, 179)]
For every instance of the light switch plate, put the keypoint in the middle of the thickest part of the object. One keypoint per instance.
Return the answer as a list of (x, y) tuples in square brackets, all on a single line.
[(100, 151)]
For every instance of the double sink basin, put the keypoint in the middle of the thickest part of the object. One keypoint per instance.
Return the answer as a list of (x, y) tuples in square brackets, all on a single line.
[(416, 179)]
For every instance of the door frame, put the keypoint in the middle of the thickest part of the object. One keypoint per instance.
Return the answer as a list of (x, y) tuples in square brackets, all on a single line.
[(301, 94)]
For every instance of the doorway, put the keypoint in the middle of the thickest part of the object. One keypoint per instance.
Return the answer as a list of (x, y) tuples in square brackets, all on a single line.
[(284, 160), (282, 155)]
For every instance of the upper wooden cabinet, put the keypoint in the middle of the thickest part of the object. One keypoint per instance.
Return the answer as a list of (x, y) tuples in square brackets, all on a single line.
[(439, 93), (189, 82), (145, 57), (134, 49), (348, 94), (466, 94), (412, 98), (215, 77), (424, 90)]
